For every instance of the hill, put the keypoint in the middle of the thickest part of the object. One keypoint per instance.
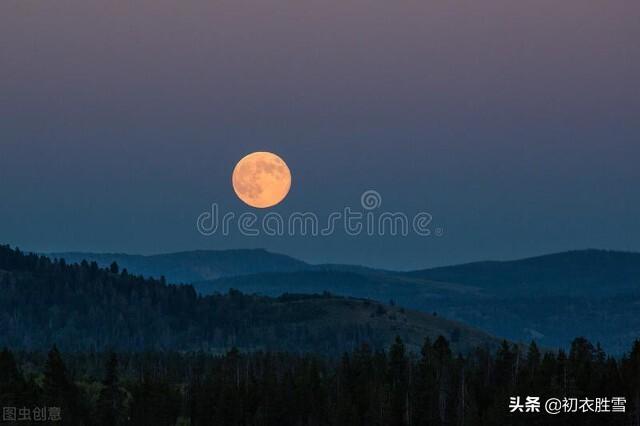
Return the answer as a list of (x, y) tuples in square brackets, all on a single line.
[(578, 273), (190, 266), (573, 273), (592, 293), (378, 286), (81, 307)]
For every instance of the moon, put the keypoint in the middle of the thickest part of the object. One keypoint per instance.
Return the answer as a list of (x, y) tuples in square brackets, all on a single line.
[(261, 179)]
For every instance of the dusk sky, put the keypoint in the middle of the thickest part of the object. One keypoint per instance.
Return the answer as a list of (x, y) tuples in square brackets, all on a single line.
[(515, 124)]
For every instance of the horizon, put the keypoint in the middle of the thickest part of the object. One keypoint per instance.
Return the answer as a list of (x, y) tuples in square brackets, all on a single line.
[(506, 260)]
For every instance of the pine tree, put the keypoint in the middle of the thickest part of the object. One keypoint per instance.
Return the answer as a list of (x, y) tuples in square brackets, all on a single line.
[(12, 385), (580, 368), (110, 402), (533, 364), (505, 359), (398, 382), (425, 404), (154, 402), (631, 365), (443, 360), (58, 390)]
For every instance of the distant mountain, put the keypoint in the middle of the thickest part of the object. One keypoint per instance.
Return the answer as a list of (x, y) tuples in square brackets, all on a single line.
[(551, 298), (85, 308), (575, 273), (191, 266)]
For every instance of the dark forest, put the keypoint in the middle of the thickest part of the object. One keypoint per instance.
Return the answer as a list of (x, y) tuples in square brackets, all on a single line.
[(363, 387)]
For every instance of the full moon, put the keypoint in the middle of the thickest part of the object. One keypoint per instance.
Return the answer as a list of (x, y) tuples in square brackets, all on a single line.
[(261, 179)]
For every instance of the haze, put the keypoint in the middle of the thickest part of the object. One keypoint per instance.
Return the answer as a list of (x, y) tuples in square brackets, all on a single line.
[(516, 124)]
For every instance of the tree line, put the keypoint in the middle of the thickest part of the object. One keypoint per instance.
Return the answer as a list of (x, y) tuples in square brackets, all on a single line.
[(363, 387)]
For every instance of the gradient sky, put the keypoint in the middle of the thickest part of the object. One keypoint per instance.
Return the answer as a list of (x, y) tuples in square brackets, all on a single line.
[(516, 124)]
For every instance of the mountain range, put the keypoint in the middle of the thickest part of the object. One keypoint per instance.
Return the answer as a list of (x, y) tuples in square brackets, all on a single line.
[(576, 273), (550, 298), (82, 307), (192, 266)]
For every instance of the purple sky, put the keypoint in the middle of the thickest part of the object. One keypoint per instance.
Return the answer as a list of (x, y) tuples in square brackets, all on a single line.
[(516, 124)]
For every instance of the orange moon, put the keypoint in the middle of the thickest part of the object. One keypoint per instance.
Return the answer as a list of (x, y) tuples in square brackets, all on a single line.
[(261, 179)]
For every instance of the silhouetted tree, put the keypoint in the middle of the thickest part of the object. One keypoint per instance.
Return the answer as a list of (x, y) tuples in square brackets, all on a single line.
[(111, 401), (58, 390)]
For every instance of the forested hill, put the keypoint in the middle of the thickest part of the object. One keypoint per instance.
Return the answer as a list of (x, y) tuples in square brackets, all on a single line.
[(83, 307), (191, 266), (551, 298), (572, 273)]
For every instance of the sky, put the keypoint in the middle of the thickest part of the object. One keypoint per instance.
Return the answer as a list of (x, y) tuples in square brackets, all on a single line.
[(516, 125)]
